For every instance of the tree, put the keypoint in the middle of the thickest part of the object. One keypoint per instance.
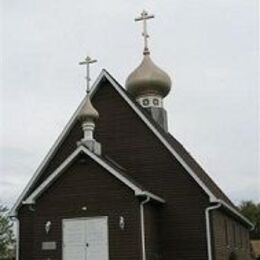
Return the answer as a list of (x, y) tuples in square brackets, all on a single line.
[(251, 210), (6, 235)]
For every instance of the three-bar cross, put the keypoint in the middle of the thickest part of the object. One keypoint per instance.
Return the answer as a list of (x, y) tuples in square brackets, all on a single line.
[(144, 17), (87, 62)]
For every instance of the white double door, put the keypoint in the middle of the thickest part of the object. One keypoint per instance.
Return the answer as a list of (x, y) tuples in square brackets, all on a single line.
[(85, 239)]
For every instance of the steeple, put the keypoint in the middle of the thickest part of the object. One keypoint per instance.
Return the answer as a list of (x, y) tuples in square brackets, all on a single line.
[(149, 84), (88, 115)]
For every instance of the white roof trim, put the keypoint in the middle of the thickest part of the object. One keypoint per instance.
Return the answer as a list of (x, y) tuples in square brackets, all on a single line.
[(151, 195), (53, 149), (224, 204), (70, 124), (31, 199), (161, 138), (44, 185)]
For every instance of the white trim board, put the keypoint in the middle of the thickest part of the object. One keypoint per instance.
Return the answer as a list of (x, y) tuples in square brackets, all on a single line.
[(54, 148), (102, 75), (81, 149)]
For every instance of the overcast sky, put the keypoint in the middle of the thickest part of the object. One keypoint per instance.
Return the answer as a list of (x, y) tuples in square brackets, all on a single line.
[(209, 48)]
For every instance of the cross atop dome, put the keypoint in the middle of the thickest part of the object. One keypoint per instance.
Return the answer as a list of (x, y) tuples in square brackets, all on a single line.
[(148, 83), (88, 114), (144, 17), (87, 62)]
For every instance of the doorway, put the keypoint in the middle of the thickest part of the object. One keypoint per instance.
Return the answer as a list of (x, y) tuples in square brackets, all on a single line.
[(85, 238)]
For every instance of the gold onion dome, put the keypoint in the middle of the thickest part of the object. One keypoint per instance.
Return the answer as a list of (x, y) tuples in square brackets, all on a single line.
[(148, 78), (88, 112)]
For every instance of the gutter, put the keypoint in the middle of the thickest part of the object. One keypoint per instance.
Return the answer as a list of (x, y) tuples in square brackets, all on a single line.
[(234, 211), (208, 228), (17, 249), (220, 203), (151, 195), (147, 200)]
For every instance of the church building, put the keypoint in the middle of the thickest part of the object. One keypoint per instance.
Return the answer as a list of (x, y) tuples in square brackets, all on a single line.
[(116, 185)]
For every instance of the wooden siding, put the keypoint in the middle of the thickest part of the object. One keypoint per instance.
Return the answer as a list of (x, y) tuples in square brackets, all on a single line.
[(229, 236), (26, 233), (128, 141), (152, 213), (86, 184)]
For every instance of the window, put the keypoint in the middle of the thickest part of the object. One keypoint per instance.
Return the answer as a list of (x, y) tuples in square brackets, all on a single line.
[(240, 237), (226, 232), (243, 238), (156, 102), (234, 235), (247, 240), (146, 102)]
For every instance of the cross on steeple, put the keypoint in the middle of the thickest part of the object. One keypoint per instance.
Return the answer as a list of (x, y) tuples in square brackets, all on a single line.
[(87, 62), (145, 16)]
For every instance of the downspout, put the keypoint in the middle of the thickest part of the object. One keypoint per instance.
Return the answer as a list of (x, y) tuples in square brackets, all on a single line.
[(17, 249), (208, 228), (143, 226)]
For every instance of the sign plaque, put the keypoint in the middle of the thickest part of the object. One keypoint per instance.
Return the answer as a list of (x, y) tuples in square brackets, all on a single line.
[(51, 245)]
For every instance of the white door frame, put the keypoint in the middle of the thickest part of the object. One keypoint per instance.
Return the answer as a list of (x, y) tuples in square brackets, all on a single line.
[(84, 218)]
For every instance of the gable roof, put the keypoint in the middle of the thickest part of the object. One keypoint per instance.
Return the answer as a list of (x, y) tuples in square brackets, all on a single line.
[(122, 177), (173, 146), (184, 154)]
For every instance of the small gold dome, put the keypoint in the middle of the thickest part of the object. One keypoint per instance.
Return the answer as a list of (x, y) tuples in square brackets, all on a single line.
[(148, 78), (88, 112)]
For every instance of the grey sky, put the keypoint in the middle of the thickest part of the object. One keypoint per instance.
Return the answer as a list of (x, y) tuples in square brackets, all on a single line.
[(209, 48)]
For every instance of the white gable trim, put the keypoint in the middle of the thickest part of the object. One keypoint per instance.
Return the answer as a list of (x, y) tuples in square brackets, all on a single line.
[(44, 185), (54, 148), (212, 197), (52, 177), (160, 137), (65, 132)]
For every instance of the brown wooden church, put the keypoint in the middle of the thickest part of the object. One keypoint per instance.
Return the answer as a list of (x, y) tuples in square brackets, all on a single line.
[(116, 185)]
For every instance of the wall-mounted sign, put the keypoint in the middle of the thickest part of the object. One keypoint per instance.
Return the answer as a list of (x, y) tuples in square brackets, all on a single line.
[(51, 245)]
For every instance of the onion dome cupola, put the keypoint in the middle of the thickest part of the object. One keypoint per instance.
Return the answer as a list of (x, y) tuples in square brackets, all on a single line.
[(88, 116), (149, 84), (148, 80), (88, 112)]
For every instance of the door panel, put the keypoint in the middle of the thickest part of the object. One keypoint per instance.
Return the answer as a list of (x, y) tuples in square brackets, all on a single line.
[(85, 239), (97, 239), (74, 237)]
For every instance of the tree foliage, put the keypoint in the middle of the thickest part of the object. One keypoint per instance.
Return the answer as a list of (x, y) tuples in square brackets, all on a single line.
[(251, 210), (6, 235)]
